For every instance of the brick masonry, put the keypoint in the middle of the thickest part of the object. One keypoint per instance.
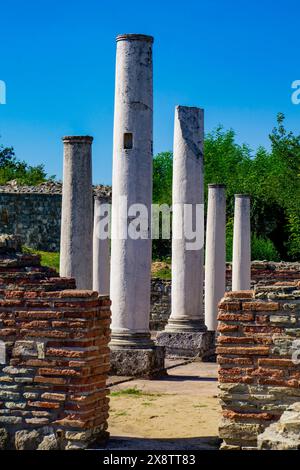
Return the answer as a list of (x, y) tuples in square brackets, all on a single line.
[(258, 380), (53, 383)]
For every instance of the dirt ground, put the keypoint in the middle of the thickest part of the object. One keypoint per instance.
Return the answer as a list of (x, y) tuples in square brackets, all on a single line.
[(181, 406)]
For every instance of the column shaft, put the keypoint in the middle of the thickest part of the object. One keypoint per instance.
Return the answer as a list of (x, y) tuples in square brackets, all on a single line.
[(215, 254), (241, 258), (187, 263), (101, 255), (132, 183)]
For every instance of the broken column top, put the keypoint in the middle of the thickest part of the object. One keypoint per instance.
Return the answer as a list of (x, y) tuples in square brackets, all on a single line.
[(217, 185), (242, 195), (134, 37)]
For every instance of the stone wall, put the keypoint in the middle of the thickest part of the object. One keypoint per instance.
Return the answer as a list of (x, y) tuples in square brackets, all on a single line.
[(53, 375), (34, 213), (262, 273), (258, 380), (160, 303)]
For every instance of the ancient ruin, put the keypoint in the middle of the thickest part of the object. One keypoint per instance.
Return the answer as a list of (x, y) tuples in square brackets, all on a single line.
[(56, 347)]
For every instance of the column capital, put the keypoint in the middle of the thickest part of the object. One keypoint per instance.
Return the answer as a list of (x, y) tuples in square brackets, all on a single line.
[(77, 139)]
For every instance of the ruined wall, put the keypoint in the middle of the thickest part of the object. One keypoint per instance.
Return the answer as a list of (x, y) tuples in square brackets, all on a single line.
[(34, 213), (258, 380), (262, 273), (53, 376), (35, 217)]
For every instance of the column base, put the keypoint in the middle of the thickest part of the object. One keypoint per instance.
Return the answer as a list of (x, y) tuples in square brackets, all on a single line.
[(197, 344), (183, 325), (136, 355)]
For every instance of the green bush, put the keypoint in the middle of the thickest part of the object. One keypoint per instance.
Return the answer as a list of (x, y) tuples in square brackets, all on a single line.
[(263, 249)]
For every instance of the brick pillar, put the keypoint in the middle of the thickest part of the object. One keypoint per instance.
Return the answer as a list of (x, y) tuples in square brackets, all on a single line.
[(57, 359)]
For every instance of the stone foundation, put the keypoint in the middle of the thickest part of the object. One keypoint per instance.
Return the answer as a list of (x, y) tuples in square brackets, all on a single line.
[(186, 345), (258, 348), (54, 358), (146, 363)]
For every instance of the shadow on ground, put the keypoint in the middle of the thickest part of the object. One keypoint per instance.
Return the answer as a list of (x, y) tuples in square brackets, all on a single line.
[(181, 378), (137, 443)]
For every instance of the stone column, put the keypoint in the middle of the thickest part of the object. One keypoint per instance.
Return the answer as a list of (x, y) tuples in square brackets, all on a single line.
[(215, 254), (76, 246), (184, 333), (133, 351), (241, 258), (101, 255)]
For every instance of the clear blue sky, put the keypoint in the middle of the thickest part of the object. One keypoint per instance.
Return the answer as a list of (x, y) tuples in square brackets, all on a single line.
[(235, 58)]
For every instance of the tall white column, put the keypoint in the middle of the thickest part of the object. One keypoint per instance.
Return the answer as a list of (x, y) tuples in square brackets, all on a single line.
[(101, 255), (187, 263), (76, 245), (241, 258), (215, 254), (132, 184)]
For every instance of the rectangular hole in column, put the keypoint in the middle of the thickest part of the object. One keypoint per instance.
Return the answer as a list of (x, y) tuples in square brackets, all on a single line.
[(128, 140)]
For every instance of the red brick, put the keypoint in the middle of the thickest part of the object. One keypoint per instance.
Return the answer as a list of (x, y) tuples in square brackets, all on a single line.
[(7, 332), (229, 414), (259, 306), (275, 362), (262, 329), (60, 352), (240, 351), (234, 340), (243, 317), (239, 294), (271, 373), (262, 318), (235, 360), (226, 328), (46, 333), (44, 404), (228, 305), (281, 383), (60, 372), (50, 380)]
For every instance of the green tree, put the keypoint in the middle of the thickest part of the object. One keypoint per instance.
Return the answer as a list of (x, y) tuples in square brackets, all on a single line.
[(162, 178), (272, 178)]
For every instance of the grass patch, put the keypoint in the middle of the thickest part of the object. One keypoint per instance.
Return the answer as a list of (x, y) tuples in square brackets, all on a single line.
[(127, 392), (49, 259), (120, 413), (164, 273), (133, 392)]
